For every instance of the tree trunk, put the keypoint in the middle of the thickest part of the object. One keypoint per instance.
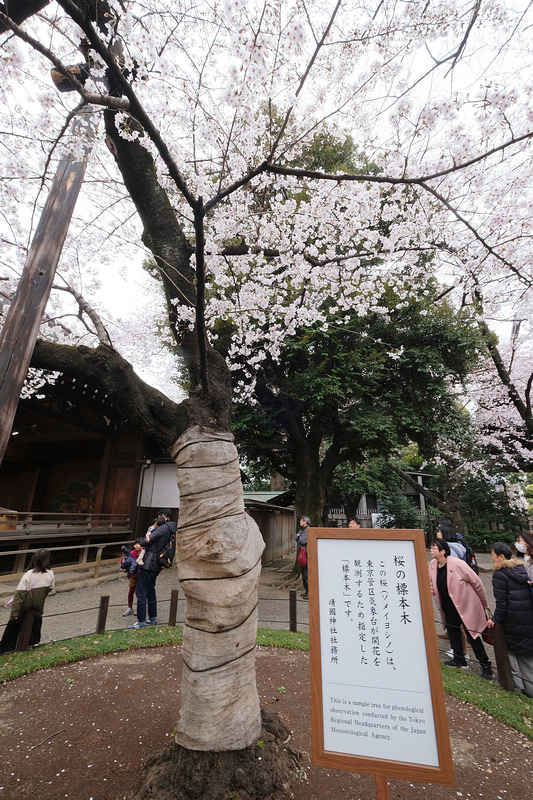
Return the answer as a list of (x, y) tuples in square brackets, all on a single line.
[(310, 496), (219, 551)]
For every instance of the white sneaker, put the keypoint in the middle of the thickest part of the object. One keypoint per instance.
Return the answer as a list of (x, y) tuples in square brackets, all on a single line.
[(449, 653), (127, 612)]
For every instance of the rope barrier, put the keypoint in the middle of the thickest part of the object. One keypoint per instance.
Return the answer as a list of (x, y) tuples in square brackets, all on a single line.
[(291, 623)]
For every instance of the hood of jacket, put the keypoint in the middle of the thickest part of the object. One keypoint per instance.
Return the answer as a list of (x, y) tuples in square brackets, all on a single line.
[(516, 567)]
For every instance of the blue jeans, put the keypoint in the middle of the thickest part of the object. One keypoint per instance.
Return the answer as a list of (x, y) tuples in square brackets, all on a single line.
[(146, 592)]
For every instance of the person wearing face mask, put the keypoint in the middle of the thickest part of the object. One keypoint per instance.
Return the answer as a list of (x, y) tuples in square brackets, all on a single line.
[(524, 545)]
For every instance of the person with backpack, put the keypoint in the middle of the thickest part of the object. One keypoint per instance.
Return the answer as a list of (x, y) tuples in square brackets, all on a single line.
[(158, 545)]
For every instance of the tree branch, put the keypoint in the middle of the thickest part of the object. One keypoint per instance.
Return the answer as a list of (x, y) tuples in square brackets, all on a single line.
[(134, 105), (523, 409), (101, 332), (138, 402), (19, 11), (433, 498), (90, 98), (422, 183)]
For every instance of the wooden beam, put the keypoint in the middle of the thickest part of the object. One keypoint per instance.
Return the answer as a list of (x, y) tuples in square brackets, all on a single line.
[(20, 330)]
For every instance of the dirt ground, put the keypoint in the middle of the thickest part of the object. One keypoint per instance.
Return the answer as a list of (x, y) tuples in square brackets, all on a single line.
[(83, 731)]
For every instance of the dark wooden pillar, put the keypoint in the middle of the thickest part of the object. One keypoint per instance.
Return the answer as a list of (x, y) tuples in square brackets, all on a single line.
[(21, 328)]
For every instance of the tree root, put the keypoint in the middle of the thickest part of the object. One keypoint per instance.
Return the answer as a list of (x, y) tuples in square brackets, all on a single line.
[(264, 771)]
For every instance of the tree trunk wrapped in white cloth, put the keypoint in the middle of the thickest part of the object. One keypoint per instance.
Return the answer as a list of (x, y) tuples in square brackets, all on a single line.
[(219, 551)]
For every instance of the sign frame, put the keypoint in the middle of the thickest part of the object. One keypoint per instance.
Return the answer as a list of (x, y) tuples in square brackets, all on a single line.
[(442, 773)]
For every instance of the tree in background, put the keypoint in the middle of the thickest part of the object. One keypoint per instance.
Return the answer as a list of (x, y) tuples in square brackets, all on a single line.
[(357, 389), (376, 479), (465, 483)]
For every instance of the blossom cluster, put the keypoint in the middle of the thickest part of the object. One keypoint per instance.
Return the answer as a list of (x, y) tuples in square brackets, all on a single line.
[(436, 97)]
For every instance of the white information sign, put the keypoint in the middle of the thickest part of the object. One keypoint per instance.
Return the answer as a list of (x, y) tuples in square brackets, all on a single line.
[(376, 692)]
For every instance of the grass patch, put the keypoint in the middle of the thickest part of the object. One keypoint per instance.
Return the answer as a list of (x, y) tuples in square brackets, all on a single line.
[(55, 654), (511, 708), (291, 641)]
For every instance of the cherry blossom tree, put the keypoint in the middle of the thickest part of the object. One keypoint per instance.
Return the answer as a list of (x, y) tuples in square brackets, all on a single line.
[(204, 110)]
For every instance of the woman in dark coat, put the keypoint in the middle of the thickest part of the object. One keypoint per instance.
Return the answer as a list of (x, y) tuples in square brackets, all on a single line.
[(514, 611)]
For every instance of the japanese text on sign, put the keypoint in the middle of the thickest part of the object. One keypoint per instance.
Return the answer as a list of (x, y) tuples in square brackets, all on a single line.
[(374, 669)]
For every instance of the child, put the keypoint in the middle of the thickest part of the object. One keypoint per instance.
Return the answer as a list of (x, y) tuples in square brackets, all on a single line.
[(30, 594), (129, 563)]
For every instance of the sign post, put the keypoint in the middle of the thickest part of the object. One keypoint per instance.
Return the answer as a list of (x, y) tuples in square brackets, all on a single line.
[(377, 701)]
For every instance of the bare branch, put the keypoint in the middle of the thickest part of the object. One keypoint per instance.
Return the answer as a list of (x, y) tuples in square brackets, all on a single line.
[(312, 60), (103, 335)]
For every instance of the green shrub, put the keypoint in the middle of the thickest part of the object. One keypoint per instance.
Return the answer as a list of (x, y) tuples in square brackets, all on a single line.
[(480, 537)]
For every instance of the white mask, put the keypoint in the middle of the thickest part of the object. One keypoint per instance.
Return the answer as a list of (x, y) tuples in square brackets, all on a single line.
[(520, 547)]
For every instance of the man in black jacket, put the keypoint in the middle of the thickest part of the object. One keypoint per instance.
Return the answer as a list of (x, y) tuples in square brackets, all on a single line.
[(155, 542)]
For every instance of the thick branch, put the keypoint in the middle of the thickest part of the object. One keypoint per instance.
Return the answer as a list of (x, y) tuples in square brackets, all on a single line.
[(523, 409), (124, 86), (162, 234), (159, 417), (90, 98), (333, 457), (200, 294)]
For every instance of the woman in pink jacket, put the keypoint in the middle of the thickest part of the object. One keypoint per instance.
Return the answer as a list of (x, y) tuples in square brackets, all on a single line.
[(462, 602)]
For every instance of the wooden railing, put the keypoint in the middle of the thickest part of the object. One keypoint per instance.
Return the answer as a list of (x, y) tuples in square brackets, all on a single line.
[(41, 523), (82, 562), (23, 532)]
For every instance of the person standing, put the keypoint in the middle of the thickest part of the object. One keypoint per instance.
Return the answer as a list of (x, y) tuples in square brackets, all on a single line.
[(30, 594), (514, 612), (154, 543), (301, 538), (445, 531), (462, 603), (129, 564), (524, 545), (354, 523)]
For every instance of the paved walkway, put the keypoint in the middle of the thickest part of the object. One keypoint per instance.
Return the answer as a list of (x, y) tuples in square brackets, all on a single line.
[(73, 609)]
